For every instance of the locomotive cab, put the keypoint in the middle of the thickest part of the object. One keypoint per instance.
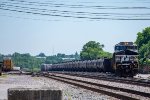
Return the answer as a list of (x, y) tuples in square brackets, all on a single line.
[(126, 59)]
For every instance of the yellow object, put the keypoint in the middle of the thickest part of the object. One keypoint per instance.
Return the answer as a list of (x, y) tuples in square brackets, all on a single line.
[(7, 65)]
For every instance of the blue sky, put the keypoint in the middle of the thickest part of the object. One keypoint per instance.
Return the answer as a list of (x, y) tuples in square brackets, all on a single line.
[(33, 33)]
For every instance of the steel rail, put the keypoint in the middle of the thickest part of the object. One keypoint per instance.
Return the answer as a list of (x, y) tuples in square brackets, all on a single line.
[(119, 96), (80, 84), (109, 87), (111, 79)]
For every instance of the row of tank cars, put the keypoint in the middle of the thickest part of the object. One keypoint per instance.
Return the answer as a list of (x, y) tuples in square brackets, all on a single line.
[(123, 63), (88, 65)]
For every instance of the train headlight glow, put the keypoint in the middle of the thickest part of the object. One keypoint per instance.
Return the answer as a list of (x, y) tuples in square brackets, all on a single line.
[(133, 58), (118, 58)]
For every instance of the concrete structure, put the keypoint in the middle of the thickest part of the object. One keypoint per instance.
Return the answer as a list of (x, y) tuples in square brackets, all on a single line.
[(34, 94)]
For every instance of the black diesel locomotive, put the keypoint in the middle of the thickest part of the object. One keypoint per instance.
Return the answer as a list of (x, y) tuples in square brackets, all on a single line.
[(124, 62), (125, 59)]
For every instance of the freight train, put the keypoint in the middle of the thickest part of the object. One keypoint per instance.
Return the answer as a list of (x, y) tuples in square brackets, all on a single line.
[(124, 62)]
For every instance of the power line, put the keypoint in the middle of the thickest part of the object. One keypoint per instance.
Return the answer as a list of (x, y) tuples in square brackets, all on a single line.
[(51, 4), (57, 15), (74, 14), (65, 11), (28, 18)]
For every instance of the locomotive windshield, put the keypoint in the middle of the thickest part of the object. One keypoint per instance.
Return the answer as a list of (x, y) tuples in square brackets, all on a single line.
[(120, 48)]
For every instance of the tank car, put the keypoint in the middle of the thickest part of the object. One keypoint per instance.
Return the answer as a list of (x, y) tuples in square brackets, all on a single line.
[(88, 66), (83, 65), (46, 67)]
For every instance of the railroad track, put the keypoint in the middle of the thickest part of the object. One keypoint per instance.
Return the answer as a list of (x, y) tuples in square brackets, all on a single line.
[(117, 92), (18, 72), (139, 82)]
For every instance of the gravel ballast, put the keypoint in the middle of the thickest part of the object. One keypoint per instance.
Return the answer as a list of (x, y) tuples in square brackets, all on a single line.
[(70, 92), (115, 84)]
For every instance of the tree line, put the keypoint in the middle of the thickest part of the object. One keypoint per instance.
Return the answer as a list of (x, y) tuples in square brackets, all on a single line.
[(29, 62), (91, 50)]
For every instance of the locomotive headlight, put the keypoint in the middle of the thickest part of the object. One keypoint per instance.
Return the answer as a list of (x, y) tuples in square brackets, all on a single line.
[(118, 58), (133, 58), (136, 58)]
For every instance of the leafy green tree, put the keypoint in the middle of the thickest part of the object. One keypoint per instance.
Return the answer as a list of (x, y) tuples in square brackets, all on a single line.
[(145, 53), (53, 59), (61, 55), (143, 37), (143, 42), (27, 61), (93, 50), (41, 55)]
